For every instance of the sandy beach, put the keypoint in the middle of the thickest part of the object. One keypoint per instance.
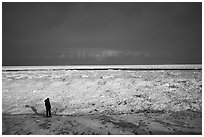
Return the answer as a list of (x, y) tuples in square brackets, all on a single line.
[(103, 102)]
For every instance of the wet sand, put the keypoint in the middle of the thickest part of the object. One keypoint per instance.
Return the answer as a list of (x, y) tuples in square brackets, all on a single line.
[(104, 124)]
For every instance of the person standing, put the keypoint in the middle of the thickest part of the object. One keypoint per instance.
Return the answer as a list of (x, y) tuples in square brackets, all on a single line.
[(48, 107)]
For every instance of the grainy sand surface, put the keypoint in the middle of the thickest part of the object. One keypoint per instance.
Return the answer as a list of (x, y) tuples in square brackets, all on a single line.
[(102, 102)]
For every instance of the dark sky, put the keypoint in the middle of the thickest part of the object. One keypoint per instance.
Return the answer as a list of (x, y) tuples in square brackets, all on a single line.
[(101, 33)]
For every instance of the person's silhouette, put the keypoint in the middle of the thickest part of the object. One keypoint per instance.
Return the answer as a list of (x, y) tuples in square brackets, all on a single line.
[(48, 107)]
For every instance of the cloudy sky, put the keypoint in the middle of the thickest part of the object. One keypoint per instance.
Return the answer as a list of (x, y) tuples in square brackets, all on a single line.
[(101, 33)]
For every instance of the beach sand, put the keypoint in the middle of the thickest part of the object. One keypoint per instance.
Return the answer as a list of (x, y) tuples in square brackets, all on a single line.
[(102, 102)]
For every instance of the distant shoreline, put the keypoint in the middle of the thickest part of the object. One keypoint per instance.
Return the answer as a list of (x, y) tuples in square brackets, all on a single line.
[(104, 67)]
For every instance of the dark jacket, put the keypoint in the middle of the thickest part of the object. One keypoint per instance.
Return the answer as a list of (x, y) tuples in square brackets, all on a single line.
[(47, 104)]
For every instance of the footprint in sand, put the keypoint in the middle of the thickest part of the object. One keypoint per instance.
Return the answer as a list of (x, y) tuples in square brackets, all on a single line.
[(82, 133), (45, 125), (29, 133), (135, 132)]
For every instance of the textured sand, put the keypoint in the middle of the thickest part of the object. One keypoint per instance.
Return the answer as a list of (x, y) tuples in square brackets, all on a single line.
[(102, 102)]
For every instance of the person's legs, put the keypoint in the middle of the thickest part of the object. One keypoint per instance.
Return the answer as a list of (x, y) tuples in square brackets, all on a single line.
[(46, 113), (49, 112)]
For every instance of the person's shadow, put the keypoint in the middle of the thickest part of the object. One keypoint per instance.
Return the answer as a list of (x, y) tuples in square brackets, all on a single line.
[(34, 109)]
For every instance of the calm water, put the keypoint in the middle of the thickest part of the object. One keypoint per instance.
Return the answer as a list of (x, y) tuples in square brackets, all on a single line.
[(101, 67)]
